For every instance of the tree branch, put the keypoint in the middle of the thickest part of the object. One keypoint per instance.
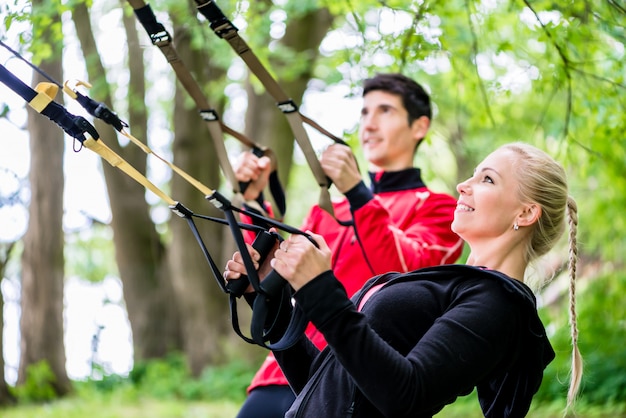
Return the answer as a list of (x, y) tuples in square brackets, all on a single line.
[(599, 78), (618, 6), (409, 34), (566, 68), (481, 86)]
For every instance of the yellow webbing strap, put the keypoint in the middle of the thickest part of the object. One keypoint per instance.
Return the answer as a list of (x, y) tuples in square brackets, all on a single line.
[(46, 92), (115, 160), (191, 180), (145, 148)]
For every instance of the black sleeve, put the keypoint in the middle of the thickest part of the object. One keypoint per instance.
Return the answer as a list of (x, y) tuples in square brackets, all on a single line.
[(461, 348), (297, 362), (358, 196)]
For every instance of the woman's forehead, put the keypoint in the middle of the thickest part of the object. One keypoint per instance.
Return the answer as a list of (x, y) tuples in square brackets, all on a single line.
[(499, 159)]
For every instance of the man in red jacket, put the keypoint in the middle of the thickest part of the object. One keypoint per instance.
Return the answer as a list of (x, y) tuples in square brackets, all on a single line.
[(395, 224)]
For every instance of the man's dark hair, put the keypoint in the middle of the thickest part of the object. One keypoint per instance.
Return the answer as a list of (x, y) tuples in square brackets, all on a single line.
[(414, 97)]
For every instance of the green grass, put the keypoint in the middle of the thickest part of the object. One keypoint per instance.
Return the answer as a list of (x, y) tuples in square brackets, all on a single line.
[(164, 389), (468, 407), (111, 408), (467, 410), (118, 405)]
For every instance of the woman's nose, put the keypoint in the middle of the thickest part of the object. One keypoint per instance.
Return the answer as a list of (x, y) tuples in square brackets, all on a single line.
[(462, 187)]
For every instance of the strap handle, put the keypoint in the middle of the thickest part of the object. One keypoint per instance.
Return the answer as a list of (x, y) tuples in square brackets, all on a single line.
[(163, 40), (225, 29), (273, 295)]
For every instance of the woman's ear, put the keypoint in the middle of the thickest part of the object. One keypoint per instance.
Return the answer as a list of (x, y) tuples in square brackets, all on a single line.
[(529, 215)]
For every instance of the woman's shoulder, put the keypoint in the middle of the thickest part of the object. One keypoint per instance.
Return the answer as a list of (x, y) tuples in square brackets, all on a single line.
[(462, 276)]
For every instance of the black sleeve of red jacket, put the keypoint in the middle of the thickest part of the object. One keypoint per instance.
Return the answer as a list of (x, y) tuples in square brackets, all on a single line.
[(358, 196)]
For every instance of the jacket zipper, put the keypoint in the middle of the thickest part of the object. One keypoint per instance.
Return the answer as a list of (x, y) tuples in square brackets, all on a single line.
[(314, 384), (350, 410)]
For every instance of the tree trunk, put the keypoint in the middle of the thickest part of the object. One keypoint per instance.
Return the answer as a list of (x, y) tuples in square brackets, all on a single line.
[(140, 254), (264, 122), (203, 306), (5, 396), (41, 322)]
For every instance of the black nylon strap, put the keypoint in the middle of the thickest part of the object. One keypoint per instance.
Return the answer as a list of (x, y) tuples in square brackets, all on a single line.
[(273, 295), (148, 20), (269, 313), (17, 85), (75, 126)]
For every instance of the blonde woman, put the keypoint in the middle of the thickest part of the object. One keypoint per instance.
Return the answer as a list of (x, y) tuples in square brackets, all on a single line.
[(407, 344)]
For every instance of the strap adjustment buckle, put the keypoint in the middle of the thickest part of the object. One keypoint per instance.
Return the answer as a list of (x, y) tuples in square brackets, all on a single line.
[(161, 36), (180, 210), (209, 115), (219, 201), (288, 106), (86, 127)]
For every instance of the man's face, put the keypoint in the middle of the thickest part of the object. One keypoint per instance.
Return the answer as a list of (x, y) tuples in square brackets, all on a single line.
[(387, 139)]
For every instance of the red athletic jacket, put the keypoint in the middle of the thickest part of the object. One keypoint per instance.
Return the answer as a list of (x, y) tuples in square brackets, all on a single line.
[(398, 224)]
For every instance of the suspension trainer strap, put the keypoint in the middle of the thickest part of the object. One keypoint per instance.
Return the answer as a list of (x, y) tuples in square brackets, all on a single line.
[(225, 29), (163, 40), (42, 100), (101, 111), (272, 303), (96, 109)]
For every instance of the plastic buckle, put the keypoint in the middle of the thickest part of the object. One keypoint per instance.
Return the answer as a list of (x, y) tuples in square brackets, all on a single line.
[(288, 106), (71, 91), (209, 115), (160, 37), (86, 127), (219, 201), (181, 210)]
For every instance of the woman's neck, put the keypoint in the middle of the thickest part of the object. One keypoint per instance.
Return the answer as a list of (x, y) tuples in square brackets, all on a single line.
[(508, 259)]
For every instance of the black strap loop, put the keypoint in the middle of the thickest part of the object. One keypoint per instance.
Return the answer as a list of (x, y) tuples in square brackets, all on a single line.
[(272, 303), (155, 29)]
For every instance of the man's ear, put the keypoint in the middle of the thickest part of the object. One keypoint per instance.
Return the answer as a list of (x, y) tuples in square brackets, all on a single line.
[(529, 215), (420, 127)]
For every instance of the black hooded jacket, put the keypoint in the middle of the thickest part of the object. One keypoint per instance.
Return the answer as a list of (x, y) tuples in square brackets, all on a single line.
[(420, 341)]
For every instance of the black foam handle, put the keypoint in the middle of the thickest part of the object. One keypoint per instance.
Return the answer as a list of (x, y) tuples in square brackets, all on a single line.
[(263, 243), (272, 284)]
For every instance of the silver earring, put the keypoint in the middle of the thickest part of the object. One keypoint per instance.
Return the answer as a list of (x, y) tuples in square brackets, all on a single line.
[(515, 226)]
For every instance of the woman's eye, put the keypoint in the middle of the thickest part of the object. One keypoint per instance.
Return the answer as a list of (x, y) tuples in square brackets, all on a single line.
[(487, 179)]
